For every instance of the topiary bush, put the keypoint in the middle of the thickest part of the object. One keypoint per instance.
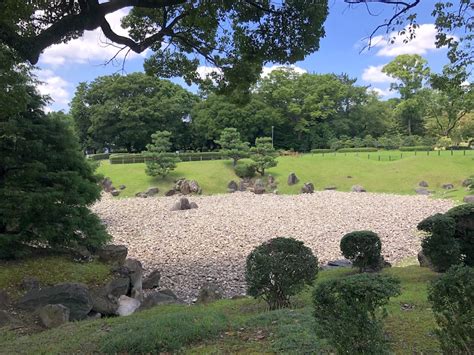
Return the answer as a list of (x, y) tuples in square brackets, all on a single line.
[(245, 170), (452, 300), (278, 269), (440, 246), (349, 312), (363, 249), (463, 216)]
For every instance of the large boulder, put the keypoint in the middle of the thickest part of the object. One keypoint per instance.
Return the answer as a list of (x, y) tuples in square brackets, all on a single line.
[(4, 299), (156, 298), (468, 199), (152, 280), (141, 194), (357, 188), (127, 305), (184, 204), (170, 192), (112, 253), (74, 296), (209, 293), (107, 185), (152, 191), (104, 303), (424, 260), (53, 315), (259, 187), (308, 188), (30, 283), (187, 187), (292, 179), (232, 186), (271, 180), (468, 182), (135, 273), (115, 193), (118, 287), (447, 186)]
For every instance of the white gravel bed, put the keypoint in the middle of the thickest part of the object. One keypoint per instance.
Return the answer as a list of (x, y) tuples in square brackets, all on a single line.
[(211, 243)]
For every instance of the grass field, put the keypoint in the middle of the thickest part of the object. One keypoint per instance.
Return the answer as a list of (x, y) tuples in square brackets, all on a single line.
[(235, 326), (395, 172)]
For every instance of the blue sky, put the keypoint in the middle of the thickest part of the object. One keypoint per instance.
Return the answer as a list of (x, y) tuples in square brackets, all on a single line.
[(63, 66)]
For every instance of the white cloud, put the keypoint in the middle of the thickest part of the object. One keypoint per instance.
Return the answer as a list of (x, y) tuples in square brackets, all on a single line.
[(205, 71), (424, 41), (384, 93), (296, 69), (373, 74), (53, 86), (93, 46)]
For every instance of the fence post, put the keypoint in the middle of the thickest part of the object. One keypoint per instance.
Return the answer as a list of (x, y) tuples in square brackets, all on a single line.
[(452, 152), (389, 158), (368, 156), (415, 152), (401, 155), (379, 157), (201, 157), (464, 152), (439, 152), (427, 152)]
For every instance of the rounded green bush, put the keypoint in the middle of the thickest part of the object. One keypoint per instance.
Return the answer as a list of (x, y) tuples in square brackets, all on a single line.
[(278, 269), (363, 249), (245, 170), (452, 300)]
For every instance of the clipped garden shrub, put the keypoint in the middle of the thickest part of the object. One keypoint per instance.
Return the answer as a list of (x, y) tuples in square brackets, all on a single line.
[(463, 216), (349, 312), (278, 269), (357, 150), (363, 249), (452, 300), (320, 151), (417, 148), (99, 156), (245, 170)]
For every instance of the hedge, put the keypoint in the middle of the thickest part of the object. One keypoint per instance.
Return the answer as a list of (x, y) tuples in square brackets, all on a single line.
[(356, 150), (319, 151), (138, 158), (100, 156), (416, 148)]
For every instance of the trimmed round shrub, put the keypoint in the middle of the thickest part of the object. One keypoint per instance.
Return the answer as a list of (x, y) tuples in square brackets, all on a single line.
[(452, 300), (363, 249), (278, 269), (349, 312), (245, 170), (463, 216)]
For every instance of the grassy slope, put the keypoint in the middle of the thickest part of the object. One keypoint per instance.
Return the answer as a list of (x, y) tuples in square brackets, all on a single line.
[(240, 326), (396, 176)]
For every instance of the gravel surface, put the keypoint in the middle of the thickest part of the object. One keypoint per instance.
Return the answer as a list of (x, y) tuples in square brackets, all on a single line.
[(211, 243)]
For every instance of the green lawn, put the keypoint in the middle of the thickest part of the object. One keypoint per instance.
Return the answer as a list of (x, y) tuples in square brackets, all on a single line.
[(235, 326), (400, 174)]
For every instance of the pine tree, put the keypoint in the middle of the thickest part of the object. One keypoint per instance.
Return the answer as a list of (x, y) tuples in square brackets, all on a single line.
[(159, 162)]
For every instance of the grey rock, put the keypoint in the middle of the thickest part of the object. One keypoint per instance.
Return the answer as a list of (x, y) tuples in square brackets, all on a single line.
[(271, 180), (422, 191), (423, 184), (152, 280), (242, 186), (53, 315), (141, 194), (4, 299), (115, 193), (127, 305), (152, 191), (340, 263), (468, 199), (424, 260), (448, 186), (330, 187), (30, 283), (187, 187), (193, 205), (113, 253), (259, 187), (82, 254), (357, 188), (156, 298), (170, 293), (74, 296), (232, 186), (292, 179), (468, 182), (183, 204), (94, 315), (104, 303), (118, 287), (308, 188), (122, 187), (107, 184), (209, 293), (135, 272), (170, 193)]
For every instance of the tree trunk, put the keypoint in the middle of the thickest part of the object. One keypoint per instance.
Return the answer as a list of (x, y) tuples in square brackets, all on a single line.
[(409, 126)]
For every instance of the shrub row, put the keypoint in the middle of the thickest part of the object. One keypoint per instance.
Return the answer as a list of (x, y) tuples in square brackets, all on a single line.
[(416, 148), (139, 158), (99, 156), (318, 151), (357, 150)]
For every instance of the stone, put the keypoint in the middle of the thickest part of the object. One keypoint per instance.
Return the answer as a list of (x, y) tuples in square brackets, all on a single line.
[(170, 193), (258, 187), (468, 199), (118, 287), (4, 299), (468, 182), (30, 283), (113, 253), (127, 305), (424, 260), (152, 191), (308, 188), (53, 315), (74, 296), (170, 293), (107, 184), (187, 187), (242, 186), (194, 186), (152, 280), (115, 193), (330, 188), (349, 177), (6, 319), (156, 298), (94, 315), (209, 293), (271, 180), (340, 263), (81, 254), (104, 303), (292, 179), (184, 204), (423, 184), (357, 188), (135, 272), (232, 186), (141, 194), (422, 191), (448, 186), (122, 187), (193, 205)]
